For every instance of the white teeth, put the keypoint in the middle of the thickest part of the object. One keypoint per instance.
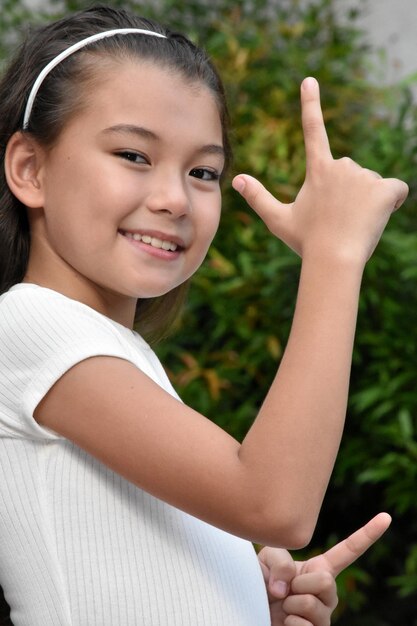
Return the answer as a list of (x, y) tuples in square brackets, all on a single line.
[(155, 242)]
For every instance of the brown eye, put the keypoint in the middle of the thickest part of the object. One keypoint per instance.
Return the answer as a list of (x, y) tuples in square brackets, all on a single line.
[(204, 173), (133, 157)]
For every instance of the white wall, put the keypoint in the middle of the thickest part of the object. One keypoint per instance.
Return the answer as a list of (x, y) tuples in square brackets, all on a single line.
[(391, 25)]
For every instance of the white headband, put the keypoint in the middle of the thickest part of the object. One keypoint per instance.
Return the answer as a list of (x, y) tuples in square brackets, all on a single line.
[(66, 53)]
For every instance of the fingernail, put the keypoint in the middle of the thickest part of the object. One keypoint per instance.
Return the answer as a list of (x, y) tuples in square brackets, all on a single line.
[(309, 83), (239, 184), (279, 588)]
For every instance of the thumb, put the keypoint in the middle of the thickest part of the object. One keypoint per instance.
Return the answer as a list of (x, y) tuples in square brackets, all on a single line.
[(275, 214), (279, 569)]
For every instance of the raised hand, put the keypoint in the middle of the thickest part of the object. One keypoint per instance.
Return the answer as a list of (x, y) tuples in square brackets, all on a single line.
[(341, 209), (303, 593)]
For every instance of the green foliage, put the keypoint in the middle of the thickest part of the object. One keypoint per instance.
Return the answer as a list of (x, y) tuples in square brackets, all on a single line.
[(13, 14), (242, 300), (228, 345)]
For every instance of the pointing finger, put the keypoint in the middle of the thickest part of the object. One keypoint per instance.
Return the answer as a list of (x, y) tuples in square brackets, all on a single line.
[(347, 551), (315, 135)]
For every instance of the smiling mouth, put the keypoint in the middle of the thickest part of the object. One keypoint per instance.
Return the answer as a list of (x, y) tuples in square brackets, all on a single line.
[(154, 242)]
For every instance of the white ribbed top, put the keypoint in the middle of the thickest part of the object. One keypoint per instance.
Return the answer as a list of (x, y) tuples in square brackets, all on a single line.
[(79, 545)]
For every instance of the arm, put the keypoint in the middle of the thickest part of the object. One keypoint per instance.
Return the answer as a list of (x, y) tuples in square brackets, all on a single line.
[(269, 489), (307, 589)]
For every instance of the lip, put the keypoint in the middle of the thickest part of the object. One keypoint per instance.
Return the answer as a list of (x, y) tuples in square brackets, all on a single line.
[(151, 251), (157, 234)]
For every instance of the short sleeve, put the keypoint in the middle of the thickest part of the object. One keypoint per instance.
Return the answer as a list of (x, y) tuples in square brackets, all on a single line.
[(42, 335)]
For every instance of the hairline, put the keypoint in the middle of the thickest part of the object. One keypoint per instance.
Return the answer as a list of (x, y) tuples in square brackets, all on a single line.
[(90, 75)]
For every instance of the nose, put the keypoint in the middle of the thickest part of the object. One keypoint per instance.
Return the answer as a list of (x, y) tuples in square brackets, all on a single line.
[(169, 195)]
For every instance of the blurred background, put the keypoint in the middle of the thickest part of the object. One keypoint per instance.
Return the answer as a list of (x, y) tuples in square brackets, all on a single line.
[(225, 350)]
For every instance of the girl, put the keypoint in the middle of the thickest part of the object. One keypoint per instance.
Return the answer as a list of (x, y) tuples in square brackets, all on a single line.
[(119, 505)]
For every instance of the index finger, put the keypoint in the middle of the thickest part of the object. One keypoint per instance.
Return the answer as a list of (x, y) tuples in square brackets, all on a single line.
[(315, 136), (347, 551)]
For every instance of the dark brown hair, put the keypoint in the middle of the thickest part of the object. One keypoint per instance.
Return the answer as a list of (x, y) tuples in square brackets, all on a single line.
[(61, 96)]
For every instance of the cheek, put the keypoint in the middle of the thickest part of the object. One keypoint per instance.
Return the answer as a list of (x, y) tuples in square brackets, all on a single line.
[(211, 217), (214, 226), (208, 231)]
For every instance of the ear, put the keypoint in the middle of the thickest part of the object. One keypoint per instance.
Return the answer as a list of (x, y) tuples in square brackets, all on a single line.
[(22, 164)]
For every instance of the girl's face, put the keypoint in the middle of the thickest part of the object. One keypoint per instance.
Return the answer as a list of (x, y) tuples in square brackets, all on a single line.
[(131, 196)]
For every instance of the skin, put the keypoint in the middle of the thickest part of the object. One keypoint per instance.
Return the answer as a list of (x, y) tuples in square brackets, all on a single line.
[(258, 488), (151, 171), (304, 593)]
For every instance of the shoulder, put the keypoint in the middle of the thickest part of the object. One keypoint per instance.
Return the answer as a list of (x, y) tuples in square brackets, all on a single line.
[(43, 330), (31, 304), (40, 315), (43, 334)]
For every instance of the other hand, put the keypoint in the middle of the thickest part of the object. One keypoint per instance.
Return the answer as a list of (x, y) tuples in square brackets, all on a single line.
[(303, 593)]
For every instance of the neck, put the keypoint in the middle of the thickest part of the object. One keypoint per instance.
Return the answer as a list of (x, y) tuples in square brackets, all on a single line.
[(64, 279)]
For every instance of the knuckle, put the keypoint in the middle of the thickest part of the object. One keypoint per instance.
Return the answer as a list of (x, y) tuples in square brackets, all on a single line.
[(310, 602), (376, 174), (288, 568), (312, 120), (312, 123), (328, 584), (319, 167), (327, 581), (307, 604), (346, 161), (405, 189)]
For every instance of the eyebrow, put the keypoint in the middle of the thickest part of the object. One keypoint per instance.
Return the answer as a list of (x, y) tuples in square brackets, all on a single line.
[(145, 133)]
